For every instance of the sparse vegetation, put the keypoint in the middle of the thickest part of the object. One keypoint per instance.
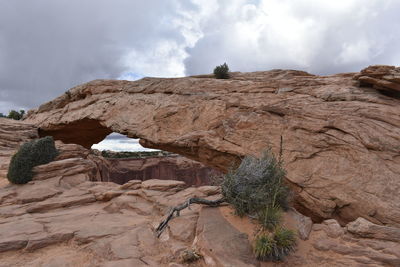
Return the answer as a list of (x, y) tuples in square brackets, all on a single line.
[(270, 217), (30, 154), (222, 71), (274, 246), (257, 184), (189, 256), (13, 114), (256, 189), (285, 242)]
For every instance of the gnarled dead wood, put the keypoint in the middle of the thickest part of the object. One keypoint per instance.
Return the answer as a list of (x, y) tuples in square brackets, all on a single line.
[(176, 210)]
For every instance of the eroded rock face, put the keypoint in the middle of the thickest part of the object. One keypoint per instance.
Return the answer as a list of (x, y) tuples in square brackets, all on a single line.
[(107, 224), (381, 77), (341, 142)]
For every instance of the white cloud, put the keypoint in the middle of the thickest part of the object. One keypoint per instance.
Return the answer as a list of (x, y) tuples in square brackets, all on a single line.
[(118, 142), (321, 37)]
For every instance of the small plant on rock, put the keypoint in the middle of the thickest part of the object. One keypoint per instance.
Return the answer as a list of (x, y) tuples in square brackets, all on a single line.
[(30, 154), (189, 256), (285, 242), (274, 246), (270, 217), (256, 185), (222, 71), (264, 247)]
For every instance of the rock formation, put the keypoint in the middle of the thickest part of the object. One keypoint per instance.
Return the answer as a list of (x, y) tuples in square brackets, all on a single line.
[(69, 221), (75, 159), (341, 142), (381, 77)]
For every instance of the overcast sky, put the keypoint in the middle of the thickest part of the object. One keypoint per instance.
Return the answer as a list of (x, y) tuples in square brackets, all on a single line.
[(48, 46)]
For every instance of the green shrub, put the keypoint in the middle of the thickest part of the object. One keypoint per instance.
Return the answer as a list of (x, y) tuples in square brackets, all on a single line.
[(285, 242), (222, 71), (30, 154), (264, 247), (274, 246), (15, 115), (270, 217), (256, 189), (255, 185)]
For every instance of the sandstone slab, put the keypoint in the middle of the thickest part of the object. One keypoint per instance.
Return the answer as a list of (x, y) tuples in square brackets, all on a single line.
[(163, 185), (220, 243)]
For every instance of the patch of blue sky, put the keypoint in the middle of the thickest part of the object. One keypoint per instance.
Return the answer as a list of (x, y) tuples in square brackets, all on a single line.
[(130, 76)]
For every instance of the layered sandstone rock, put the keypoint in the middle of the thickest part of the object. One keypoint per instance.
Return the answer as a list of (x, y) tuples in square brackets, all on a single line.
[(47, 222), (341, 142), (41, 216), (62, 218), (381, 77)]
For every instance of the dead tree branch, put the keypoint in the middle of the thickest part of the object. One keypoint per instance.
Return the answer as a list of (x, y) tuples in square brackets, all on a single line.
[(176, 210)]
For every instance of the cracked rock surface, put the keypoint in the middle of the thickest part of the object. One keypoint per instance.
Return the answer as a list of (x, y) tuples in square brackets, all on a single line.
[(64, 218)]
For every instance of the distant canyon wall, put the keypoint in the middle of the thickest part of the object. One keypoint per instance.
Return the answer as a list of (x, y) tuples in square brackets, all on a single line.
[(122, 170)]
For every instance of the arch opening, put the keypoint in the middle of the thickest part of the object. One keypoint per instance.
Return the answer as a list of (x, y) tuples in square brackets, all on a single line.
[(125, 159)]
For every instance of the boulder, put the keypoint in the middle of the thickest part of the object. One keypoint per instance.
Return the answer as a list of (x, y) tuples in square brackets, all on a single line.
[(220, 243), (366, 229), (381, 77)]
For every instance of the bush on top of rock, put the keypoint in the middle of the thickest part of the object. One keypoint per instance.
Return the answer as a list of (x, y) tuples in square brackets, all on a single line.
[(31, 154), (222, 71)]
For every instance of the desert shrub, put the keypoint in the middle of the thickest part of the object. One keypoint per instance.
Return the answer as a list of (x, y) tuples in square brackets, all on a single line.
[(264, 247), (285, 242), (15, 115), (275, 246), (189, 256), (270, 217), (222, 71), (256, 188), (31, 154), (256, 185)]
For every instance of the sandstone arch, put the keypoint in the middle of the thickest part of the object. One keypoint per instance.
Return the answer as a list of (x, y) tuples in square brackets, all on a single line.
[(341, 142)]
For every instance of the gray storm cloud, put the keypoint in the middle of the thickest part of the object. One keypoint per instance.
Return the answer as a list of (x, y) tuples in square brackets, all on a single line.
[(48, 46)]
